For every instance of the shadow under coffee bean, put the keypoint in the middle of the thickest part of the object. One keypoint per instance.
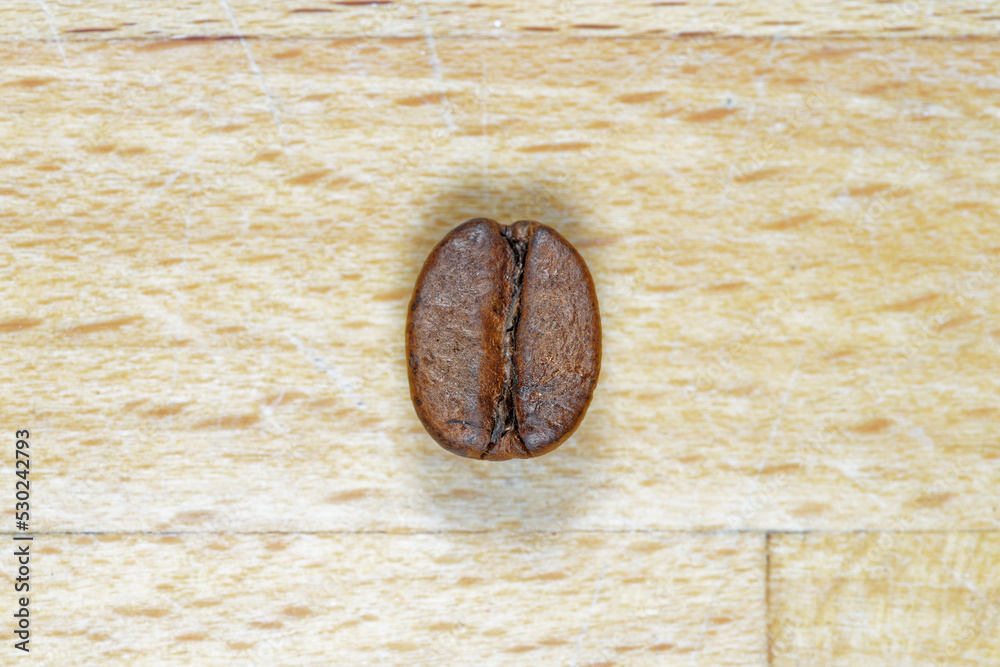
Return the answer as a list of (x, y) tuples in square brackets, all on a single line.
[(503, 340)]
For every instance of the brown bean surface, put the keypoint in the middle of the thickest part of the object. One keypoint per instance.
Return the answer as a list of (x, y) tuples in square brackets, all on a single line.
[(503, 340)]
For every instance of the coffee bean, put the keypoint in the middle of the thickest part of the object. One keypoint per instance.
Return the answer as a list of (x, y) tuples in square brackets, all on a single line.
[(503, 340)]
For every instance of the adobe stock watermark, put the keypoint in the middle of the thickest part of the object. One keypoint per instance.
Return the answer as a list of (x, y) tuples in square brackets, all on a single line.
[(765, 322), (311, 593), (659, 603), (815, 100), (459, 113), (979, 620), (415, 506), (899, 14), (877, 554), (327, 595), (128, 100), (752, 503), (948, 308), (658, 613), (785, 640), (883, 200), (544, 199), (540, 541)]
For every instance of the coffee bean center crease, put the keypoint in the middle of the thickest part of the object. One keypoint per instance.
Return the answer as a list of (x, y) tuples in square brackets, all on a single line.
[(503, 340), (505, 417)]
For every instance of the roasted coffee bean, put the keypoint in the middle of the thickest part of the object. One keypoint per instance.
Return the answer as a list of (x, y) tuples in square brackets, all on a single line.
[(503, 340)]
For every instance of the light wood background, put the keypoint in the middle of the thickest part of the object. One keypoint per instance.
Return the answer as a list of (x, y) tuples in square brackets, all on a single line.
[(212, 216)]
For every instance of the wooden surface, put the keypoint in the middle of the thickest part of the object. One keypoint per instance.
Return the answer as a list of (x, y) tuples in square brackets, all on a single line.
[(213, 215)]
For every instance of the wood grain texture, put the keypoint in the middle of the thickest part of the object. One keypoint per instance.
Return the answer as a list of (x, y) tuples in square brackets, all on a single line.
[(799, 296), (891, 598), (207, 250), (389, 599), (702, 19)]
